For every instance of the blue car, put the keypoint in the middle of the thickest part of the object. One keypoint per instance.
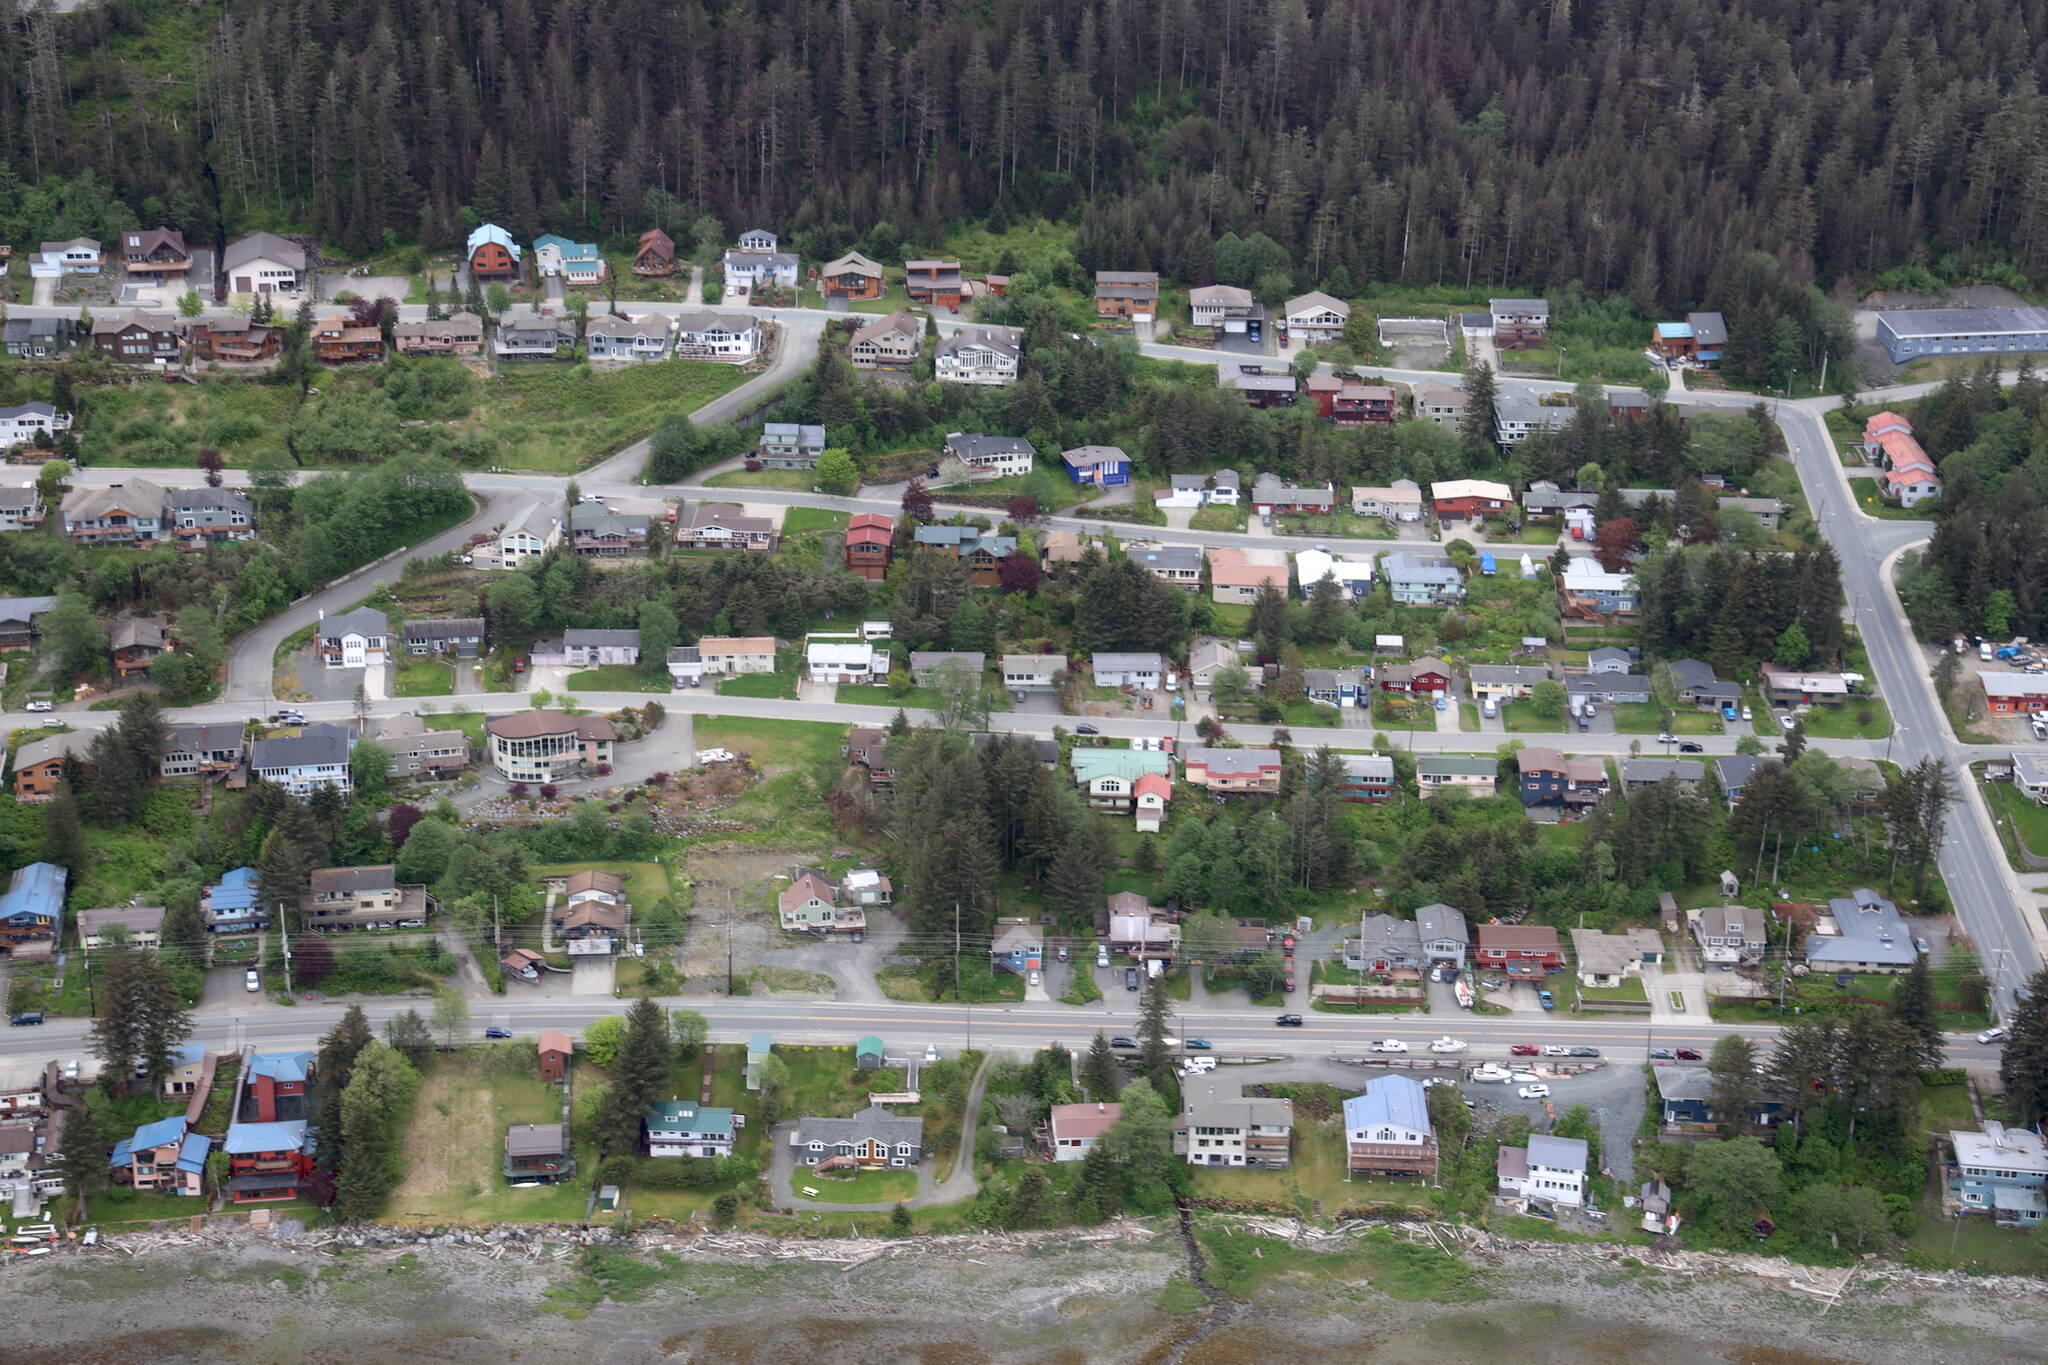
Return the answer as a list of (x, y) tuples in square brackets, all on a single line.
[(497, 1033), (1197, 1045)]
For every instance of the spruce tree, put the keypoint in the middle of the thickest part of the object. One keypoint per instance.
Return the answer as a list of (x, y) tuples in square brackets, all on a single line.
[(183, 932), (2024, 1065), (1913, 1004), (1098, 1070), (373, 1113), (1732, 1088), (82, 1159), (638, 1080), (332, 1069), (63, 830), (1155, 1047), (1099, 1193)]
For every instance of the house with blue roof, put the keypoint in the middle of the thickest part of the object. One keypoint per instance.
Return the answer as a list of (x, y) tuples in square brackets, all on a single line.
[(162, 1156), (266, 1161), (492, 254), (233, 904), (575, 262), (32, 911), (1387, 1130)]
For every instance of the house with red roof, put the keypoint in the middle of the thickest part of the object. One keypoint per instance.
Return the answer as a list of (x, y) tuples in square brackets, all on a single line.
[(870, 537), (1151, 794), (1908, 477)]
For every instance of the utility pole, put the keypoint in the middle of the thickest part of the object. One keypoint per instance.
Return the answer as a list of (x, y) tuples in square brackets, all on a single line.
[(728, 942), (286, 935)]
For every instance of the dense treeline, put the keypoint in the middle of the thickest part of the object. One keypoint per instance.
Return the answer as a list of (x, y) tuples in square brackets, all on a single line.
[(1735, 608), (1644, 148)]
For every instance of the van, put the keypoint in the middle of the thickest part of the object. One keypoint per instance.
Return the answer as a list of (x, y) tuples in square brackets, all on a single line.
[(26, 1017), (1984, 650), (1489, 708)]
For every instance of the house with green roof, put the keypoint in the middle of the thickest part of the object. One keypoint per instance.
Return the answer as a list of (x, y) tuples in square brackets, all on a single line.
[(867, 1053), (1109, 777), (759, 1046), (1475, 773), (687, 1128)]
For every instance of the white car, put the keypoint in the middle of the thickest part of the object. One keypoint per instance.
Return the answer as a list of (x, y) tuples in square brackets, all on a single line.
[(252, 982), (1102, 957), (1746, 715), (1034, 976), (41, 706), (708, 756), (1390, 1045), (1448, 1045), (1992, 1034), (1785, 721), (1553, 1050), (1534, 1092)]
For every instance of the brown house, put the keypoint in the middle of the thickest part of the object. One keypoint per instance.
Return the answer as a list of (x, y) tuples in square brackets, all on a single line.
[(936, 283), (656, 254), (234, 340), (492, 256), (888, 343), (38, 765), (870, 537), (1123, 293), (555, 1050), (155, 254), (135, 641), (852, 276), (462, 334), (137, 338), (338, 340)]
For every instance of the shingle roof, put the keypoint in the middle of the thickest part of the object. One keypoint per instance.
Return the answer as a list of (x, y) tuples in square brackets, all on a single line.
[(872, 1122)]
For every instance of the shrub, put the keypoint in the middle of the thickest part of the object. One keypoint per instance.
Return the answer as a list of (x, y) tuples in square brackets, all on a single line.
[(518, 790), (549, 791)]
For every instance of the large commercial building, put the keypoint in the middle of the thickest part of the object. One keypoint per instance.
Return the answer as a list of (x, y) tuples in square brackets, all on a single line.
[(1917, 332)]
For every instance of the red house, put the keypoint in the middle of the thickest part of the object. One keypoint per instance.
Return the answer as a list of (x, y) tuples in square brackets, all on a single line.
[(1424, 675), (1357, 403), (870, 537), (1519, 950), (1466, 499), (268, 1153), (1323, 388), (555, 1049), (934, 283)]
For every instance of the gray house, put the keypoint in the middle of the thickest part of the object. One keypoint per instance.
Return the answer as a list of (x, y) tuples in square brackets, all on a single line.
[(462, 636), (872, 1138), (629, 339), (1637, 773), (1386, 944), (199, 515), (790, 445), (1698, 685), (525, 331), (1736, 771), (1442, 931), (1607, 688)]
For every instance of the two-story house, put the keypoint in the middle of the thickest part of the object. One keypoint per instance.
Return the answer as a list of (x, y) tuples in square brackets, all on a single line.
[(21, 426), (1179, 565), (980, 355), (872, 1139), (1032, 672), (1233, 772), (852, 276), (628, 340), (350, 897), (1387, 1131), (584, 648), (129, 513), (1469, 499), (1143, 671), (1018, 946), (1548, 778), (354, 639), (339, 339), (1315, 319), (202, 750), (1519, 324), (870, 541), (1126, 293), (1108, 778), (1520, 951), (1367, 778), (1398, 501), (756, 262), (1219, 1125), (461, 636), (268, 1146), (39, 338), (135, 641), (1729, 935), (32, 910), (199, 517), (887, 343), (1441, 404), (531, 533), (164, 1156), (1444, 934), (991, 457), (1999, 1170), (1549, 1170), (538, 1153), (79, 256), (1099, 466), (737, 654), (1735, 772), (548, 746), (578, 263), (1227, 310), (136, 337), (655, 256), (459, 334), (936, 284), (316, 757), (21, 509), (1071, 1130), (1419, 581), (724, 526), (814, 903), (1427, 676), (597, 532), (1518, 416), (1386, 944), (790, 445), (525, 332), (492, 254), (1587, 590), (39, 764), (263, 263)]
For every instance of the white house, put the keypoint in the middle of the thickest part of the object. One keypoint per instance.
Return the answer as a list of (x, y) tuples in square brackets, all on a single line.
[(756, 261), (1128, 670), (355, 639), (528, 535), (632, 338), (1352, 576), (737, 653), (845, 661), (18, 426), (79, 256), (1550, 1169), (1387, 1129), (1316, 319), (316, 757), (1032, 672), (730, 337), (1074, 1128), (263, 263), (980, 355), (1400, 500), (991, 457)]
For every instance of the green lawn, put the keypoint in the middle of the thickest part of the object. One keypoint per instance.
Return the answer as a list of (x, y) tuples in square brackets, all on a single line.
[(1631, 988), (826, 1082), (560, 418), (2019, 817), (1521, 717), (1218, 518), (774, 744), (780, 686), (1315, 1183), (1974, 1243), (798, 521), (645, 883), (619, 678), (456, 1141), (471, 723), (797, 480), (1646, 718), (429, 677), (1871, 503), (866, 1187), (1846, 721)]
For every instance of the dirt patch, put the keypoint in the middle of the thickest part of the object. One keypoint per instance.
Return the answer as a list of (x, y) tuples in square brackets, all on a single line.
[(747, 882)]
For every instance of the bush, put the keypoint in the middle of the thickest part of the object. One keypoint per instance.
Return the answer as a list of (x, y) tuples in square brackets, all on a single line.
[(614, 1170), (694, 1172)]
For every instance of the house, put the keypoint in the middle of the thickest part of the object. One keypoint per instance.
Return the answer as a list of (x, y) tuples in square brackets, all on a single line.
[(868, 1054), (1258, 386), (1444, 936), (936, 284), (556, 1050), (1226, 309), (39, 338), (1129, 925), (162, 1156), (1999, 1170), (234, 904), (1544, 500), (990, 457), (491, 254), (1209, 656), (1862, 932), (538, 1152), (1099, 466), (1074, 1128), (1354, 404), (19, 426), (209, 516), (1700, 338), (1504, 682), (1519, 324), (1605, 959), (1237, 575), (1518, 950), (979, 355), (872, 1139), (1914, 332), (2030, 774), (79, 256), (340, 340), (266, 1144), (629, 340), (1548, 778), (925, 664), (724, 526), (733, 338), (1441, 404), (120, 514), (39, 763), (866, 748), (1315, 319), (790, 445), (1180, 565), (1729, 934), (1909, 476), (1219, 1125), (599, 648), (1109, 778), (1422, 581), (1610, 689), (982, 553), (1770, 512), (1200, 490), (2013, 694), (887, 343), (852, 276), (1272, 495), (1638, 773), (1435, 772), (1518, 416), (814, 903), (526, 332), (353, 897), (1018, 947), (1428, 675), (316, 757), (845, 661), (1387, 1129), (1589, 590), (1607, 660), (263, 263), (21, 509), (32, 910), (417, 751), (548, 746), (1469, 499), (202, 750), (680, 1128), (530, 534), (870, 540), (1549, 1170), (1682, 1097), (1126, 293), (1233, 772), (18, 620), (1398, 501), (1032, 672), (1734, 772), (1387, 944), (1698, 686), (1795, 687), (576, 262), (192, 1070), (655, 256), (1151, 795), (134, 641), (1368, 778), (354, 639), (1338, 687), (737, 654), (597, 532)]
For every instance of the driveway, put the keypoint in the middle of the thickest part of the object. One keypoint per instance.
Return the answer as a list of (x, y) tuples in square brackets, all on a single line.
[(593, 976), (364, 286), (956, 1188), (852, 966), (322, 683)]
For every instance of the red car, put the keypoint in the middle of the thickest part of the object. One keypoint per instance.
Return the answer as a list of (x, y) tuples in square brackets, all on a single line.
[(519, 665), (1525, 1050), (1290, 983), (1287, 941), (1688, 1054)]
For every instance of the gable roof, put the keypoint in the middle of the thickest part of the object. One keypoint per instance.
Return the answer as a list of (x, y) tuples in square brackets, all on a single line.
[(364, 621), (1397, 1100), (267, 246)]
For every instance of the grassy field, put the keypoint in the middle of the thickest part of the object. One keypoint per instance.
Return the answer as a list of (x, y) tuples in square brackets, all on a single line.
[(826, 1082), (1843, 722), (645, 883), (471, 723), (799, 521), (796, 480), (428, 677), (457, 1140), (2017, 817), (866, 1187), (167, 424), (1315, 1184), (780, 686), (618, 678), (561, 418), (774, 745), (1647, 718)]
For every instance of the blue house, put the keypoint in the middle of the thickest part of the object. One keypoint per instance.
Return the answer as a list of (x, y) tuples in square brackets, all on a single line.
[(232, 905), (576, 262), (1682, 1095), (1734, 772), (162, 1156), (32, 911), (2000, 1171), (1102, 466)]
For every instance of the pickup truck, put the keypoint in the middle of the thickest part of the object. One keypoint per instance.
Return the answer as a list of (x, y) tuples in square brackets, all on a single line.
[(1390, 1045)]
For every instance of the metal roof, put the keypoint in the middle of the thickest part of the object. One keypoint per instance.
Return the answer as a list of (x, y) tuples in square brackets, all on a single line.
[(1398, 1100)]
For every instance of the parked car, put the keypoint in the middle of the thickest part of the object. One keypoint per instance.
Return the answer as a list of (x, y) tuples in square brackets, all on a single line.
[(252, 982), (1390, 1045), (1130, 978), (1585, 1052), (1525, 1050), (1443, 703), (1287, 983), (1063, 952), (1660, 1054), (1121, 1041), (1556, 1050), (41, 706), (1489, 708), (1034, 976), (1197, 1045), (1785, 721), (1688, 1054), (1289, 1021), (412, 924), (1086, 730), (53, 722), (1990, 1035), (25, 1018), (1102, 957), (519, 664), (1692, 747), (287, 718), (497, 1033), (1667, 738), (1746, 715), (1534, 1092)]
